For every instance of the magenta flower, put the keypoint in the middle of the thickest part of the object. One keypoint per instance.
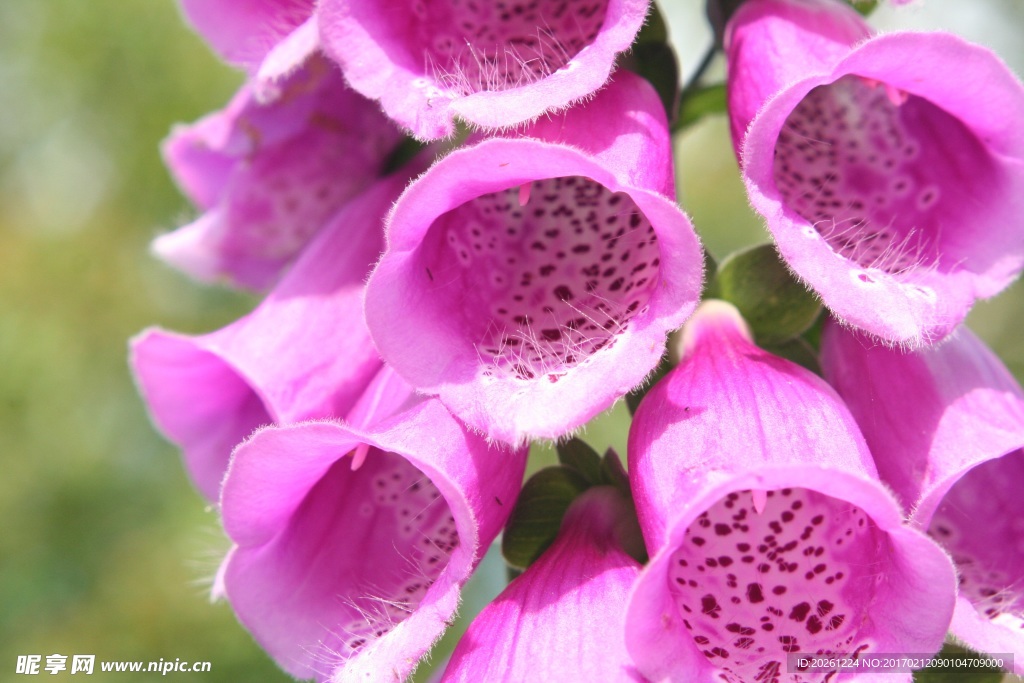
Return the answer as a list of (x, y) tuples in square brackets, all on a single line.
[(351, 569), (303, 353), (769, 531), (269, 175), (890, 169), (493, 65), (268, 38), (562, 619), (529, 282), (946, 425)]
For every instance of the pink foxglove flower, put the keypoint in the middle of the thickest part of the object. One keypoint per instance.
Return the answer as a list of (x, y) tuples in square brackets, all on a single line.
[(769, 531), (890, 169), (269, 175), (530, 281), (562, 619), (303, 353), (946, 426), (494, 65), (268, 38), (349, 569)]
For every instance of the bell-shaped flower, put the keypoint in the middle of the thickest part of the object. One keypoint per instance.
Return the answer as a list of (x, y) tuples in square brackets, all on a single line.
[(267, 38), (769, 532), (493, 65), (946, 427), (561, 620), (530, 281), (889, 168), (270, 175), (349, 569), (303, 353)]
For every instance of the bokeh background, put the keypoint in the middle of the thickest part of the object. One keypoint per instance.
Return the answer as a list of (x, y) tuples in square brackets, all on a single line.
[(105, 548)]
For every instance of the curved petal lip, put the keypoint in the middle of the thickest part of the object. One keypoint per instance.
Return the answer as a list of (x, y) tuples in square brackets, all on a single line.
[(930, 306), (263, 492), (198, 439), (382, 67), (509, 411), (655, 642)]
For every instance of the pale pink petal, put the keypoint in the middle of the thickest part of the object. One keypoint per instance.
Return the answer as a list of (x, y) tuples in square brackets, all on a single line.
[(890, 170), (271, 174), (946, 427), (303, 353), (563, 618), (492, 65), (768, 530), (530, 311), (352, 574)]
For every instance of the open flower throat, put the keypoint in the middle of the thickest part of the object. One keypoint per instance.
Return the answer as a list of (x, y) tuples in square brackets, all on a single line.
[(796, 576), (878, 172), (544, 275), (471, 45), (412, 524), (977, 524)]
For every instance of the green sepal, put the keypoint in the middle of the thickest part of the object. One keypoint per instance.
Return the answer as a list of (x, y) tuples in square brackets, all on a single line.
[(579, 456), (775, 305), (653, 58), (537, 515), (614, 474), (865, 7)]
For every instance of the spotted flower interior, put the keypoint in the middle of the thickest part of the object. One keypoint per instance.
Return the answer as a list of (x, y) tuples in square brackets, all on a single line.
[(386, 510), (542, 276), (882, 175), (763, 574), (469, 46), (980, 525), (289, 193)]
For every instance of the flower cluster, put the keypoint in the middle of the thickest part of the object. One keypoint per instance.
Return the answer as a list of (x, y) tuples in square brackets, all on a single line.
[(462, 215)]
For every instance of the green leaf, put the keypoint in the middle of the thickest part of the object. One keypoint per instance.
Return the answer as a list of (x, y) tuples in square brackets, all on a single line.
[(958, 674), (577, 455), (774, 304), (537, 515), (699, 102)]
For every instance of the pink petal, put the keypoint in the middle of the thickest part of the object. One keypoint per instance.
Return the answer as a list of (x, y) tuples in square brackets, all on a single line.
[(800, 37), (495, 66), (562, 619), (766, 523), (528, 320), (946, 426), (303, 353), (244, 32), (891, 172), (271, 173), (286, 57), (352, 575)]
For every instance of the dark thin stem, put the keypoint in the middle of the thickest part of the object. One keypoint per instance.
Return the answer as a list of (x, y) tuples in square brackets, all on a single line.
[(705, 62)]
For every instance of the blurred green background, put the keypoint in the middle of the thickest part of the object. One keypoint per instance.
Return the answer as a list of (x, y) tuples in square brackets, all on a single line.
[(105, 548)]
